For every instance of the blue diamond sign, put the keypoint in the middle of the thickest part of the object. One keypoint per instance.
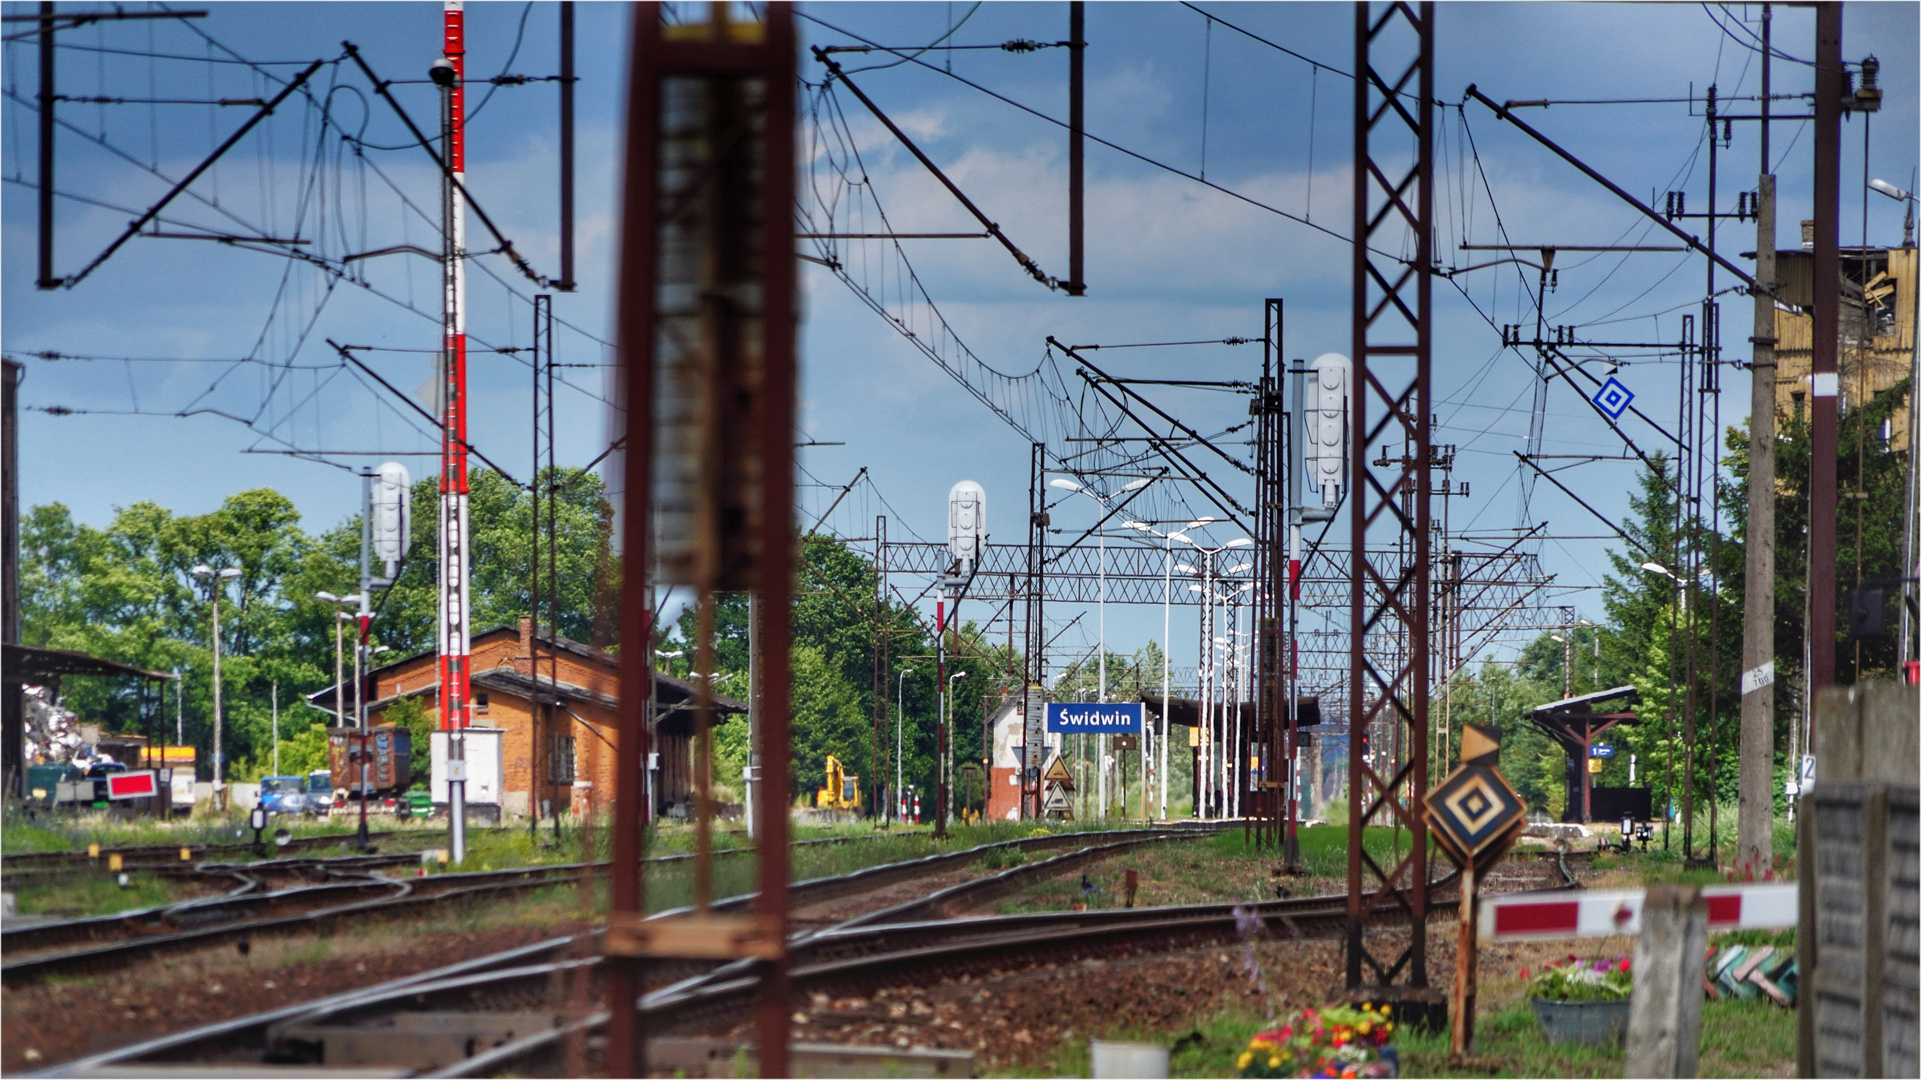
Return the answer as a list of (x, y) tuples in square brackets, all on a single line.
[(1613, 398)]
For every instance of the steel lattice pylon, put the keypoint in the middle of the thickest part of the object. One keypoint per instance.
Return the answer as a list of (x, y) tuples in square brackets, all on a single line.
[(1393, 287)]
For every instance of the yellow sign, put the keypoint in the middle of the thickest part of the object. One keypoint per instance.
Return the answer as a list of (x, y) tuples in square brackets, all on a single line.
[(1057, 773), (1478, 742), (1594, 765), (1193, 736)]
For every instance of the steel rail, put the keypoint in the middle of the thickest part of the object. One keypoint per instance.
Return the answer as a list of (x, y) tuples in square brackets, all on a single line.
[(171, 852), (408, 894), (133, 933), (817, 890), (247, 1033), (244, 902), (838, 957)]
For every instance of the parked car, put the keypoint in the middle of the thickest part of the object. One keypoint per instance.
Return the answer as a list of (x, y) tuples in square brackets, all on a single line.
[(284, 794)]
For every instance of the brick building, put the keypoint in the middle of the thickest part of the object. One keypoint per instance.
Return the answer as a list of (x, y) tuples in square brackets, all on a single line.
[(558, 732)]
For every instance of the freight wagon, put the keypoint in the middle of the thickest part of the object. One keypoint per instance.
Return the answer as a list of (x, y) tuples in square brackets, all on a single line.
[(389, 760)]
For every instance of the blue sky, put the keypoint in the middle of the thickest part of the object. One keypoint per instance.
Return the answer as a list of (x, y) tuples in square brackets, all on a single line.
[(1168, 258)]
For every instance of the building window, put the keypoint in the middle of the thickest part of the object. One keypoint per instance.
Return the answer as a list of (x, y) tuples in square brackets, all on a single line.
[(560, 759), (480, 702)]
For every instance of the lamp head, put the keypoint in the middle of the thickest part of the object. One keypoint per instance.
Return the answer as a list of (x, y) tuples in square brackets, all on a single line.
[(1657, 568), (202, 571), (442, 72), (1890, 190), (1238, 567), (321, 595), (1185, 569), (1137, 483), (1240, 542), (1137, 526), (1182, 537), (1064, 484), (1200, 522)]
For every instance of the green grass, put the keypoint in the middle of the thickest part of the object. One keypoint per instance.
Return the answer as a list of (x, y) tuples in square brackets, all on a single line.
[(1738, 1038), (74, 832), (79, 895)]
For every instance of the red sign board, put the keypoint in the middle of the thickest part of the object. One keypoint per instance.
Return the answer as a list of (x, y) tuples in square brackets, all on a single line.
[(133, 785)]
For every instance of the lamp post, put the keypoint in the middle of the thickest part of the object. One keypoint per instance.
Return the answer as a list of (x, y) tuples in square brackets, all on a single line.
[(1061, 482), (360, 715), (340, 696), (1567, 662), (1167, 644), (1207, 633), (1904, 644), (1223, 767), (214, 579), (900, 732)]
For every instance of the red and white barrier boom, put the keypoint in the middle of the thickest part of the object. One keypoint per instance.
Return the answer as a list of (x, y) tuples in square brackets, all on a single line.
[(1523, 916)]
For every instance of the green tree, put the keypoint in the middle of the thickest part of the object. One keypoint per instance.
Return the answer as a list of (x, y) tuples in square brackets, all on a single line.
[(126, 592), (827, 719)]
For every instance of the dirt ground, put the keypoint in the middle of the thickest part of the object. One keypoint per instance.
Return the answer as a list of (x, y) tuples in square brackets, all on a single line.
[(1028, 1020), (60, 1019)]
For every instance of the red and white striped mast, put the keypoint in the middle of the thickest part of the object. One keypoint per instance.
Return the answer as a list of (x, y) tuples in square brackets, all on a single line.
[(450, 75)]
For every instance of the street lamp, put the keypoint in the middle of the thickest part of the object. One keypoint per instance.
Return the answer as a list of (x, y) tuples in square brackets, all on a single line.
[(1167, 644), (214, 578), (1135, 484), (1206, 660), (340, 678), (1228, 687), (1895, 193), (360, 716), (900, 729)]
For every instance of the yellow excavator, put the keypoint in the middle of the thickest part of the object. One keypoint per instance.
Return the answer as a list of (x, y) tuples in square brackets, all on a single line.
[(843, 788)]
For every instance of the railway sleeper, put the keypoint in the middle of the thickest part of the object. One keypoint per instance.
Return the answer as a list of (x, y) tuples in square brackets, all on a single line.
[(409, 1040)]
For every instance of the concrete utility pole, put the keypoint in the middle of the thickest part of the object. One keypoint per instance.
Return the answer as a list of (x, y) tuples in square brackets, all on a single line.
[(217, 581), (1754, 834)]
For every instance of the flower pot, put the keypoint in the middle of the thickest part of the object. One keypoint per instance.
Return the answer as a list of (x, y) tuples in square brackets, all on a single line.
[(1583, 1023)]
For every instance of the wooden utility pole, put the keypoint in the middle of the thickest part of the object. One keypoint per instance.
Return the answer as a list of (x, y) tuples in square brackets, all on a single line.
[(1754, 834), (1830, 83)]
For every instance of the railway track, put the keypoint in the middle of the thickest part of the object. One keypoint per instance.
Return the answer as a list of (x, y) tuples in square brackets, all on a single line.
[(353, 888), (156, 856), (891, 948), (113, 939)]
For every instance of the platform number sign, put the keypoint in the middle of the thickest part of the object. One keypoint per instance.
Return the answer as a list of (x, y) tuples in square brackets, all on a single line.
[(1613, 398)]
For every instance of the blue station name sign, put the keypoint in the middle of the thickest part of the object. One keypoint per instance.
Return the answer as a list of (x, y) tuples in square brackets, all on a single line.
[(1089, 718)]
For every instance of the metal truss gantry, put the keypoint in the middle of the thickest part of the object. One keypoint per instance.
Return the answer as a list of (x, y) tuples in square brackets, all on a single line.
[(1390, 468)]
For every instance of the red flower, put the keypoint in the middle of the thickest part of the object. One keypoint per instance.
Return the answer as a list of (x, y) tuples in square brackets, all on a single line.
[(1624, 963), (1524, 973)]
